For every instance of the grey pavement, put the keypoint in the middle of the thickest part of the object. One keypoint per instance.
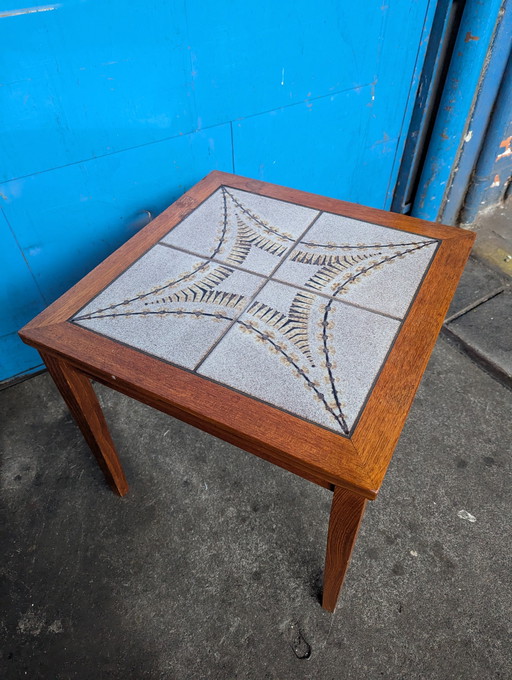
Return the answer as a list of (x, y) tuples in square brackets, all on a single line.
[(479, 320), (494, 236), (210, 567)]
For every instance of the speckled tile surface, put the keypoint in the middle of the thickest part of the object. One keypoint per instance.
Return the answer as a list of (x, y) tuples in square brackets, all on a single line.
[(365, 264), (291, 306), (319, 354), (170, 304), (242, 229)]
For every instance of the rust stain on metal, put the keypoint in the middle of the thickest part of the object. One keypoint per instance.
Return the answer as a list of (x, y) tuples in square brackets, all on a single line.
[(505, 144), (444, 135), (470, 37)]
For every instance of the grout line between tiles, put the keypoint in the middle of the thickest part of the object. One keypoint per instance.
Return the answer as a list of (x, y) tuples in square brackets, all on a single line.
[(265, 281), (282, 281), (210, 259), (132, 264), (340, 214), (339, 300)]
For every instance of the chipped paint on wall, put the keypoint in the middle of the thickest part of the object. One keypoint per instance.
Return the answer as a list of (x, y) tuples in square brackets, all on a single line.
[(505, 144)]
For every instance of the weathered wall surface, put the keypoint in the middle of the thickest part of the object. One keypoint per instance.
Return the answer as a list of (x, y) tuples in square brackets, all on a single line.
[(110, 110)]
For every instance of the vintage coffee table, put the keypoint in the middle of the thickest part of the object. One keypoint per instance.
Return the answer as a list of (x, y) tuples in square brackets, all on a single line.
[(294, 326)]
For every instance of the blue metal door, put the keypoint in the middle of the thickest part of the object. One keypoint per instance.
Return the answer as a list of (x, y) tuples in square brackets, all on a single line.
[(110, 110), (451, 166)]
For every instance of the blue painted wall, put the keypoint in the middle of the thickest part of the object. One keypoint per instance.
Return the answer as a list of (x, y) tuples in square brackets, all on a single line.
[(110, 110)]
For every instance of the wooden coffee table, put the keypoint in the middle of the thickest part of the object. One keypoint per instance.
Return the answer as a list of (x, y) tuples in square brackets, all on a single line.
[(294, 326)]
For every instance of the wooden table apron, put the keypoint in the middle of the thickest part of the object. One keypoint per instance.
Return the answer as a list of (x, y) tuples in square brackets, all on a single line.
[(353, 467)]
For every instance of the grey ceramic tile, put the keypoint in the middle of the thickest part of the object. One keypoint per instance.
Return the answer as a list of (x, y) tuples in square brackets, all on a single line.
[(170, 304), (296, 345), (314, 357), (368, 265), (243, 229)]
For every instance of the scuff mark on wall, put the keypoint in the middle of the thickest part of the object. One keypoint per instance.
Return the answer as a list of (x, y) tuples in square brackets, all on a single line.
[(372, 92), (27, 10), (385, 138)]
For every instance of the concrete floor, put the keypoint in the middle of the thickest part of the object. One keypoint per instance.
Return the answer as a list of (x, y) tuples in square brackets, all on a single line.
[(210, 567), (479, 321), (494, 236)]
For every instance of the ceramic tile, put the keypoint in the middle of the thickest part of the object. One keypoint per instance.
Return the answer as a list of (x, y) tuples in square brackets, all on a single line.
[(242, 229), (252, 292), (365, 264), (170, 304), (309, 355)]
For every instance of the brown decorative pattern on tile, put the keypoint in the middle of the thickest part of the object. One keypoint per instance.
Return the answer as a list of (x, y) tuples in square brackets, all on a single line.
[(305, 346)]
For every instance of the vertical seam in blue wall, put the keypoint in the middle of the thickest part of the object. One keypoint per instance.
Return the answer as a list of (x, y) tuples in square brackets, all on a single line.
[(408, 108), (232, 148), (36, 284)]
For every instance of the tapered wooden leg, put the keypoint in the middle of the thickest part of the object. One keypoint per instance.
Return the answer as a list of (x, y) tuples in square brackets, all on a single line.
[(78, 393), (347, 511)]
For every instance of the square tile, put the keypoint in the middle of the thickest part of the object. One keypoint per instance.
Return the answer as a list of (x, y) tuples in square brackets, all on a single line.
[(306, 354), (170, 304), (242, 229), (374, 267)]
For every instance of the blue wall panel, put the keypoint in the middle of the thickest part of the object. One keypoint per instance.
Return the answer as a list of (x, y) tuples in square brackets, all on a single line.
[(71, 218), (20, 300), (112, 109), (91, 78), (347, 159), (250, 59)]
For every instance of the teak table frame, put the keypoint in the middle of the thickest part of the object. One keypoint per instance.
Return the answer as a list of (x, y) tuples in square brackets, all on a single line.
[(353, 468)]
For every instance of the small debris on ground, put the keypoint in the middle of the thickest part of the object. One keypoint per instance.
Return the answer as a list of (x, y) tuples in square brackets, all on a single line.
[(464, 514)]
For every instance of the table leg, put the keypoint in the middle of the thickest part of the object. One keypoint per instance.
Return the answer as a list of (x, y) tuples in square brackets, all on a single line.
[(79, 395), (347, 511)]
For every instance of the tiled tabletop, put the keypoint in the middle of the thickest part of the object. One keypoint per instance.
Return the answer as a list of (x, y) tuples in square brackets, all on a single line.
[(294, 307)]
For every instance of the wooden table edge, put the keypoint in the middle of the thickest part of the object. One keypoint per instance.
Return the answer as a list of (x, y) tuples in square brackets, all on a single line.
[(324, 466), (363, 472), (353, 468)]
